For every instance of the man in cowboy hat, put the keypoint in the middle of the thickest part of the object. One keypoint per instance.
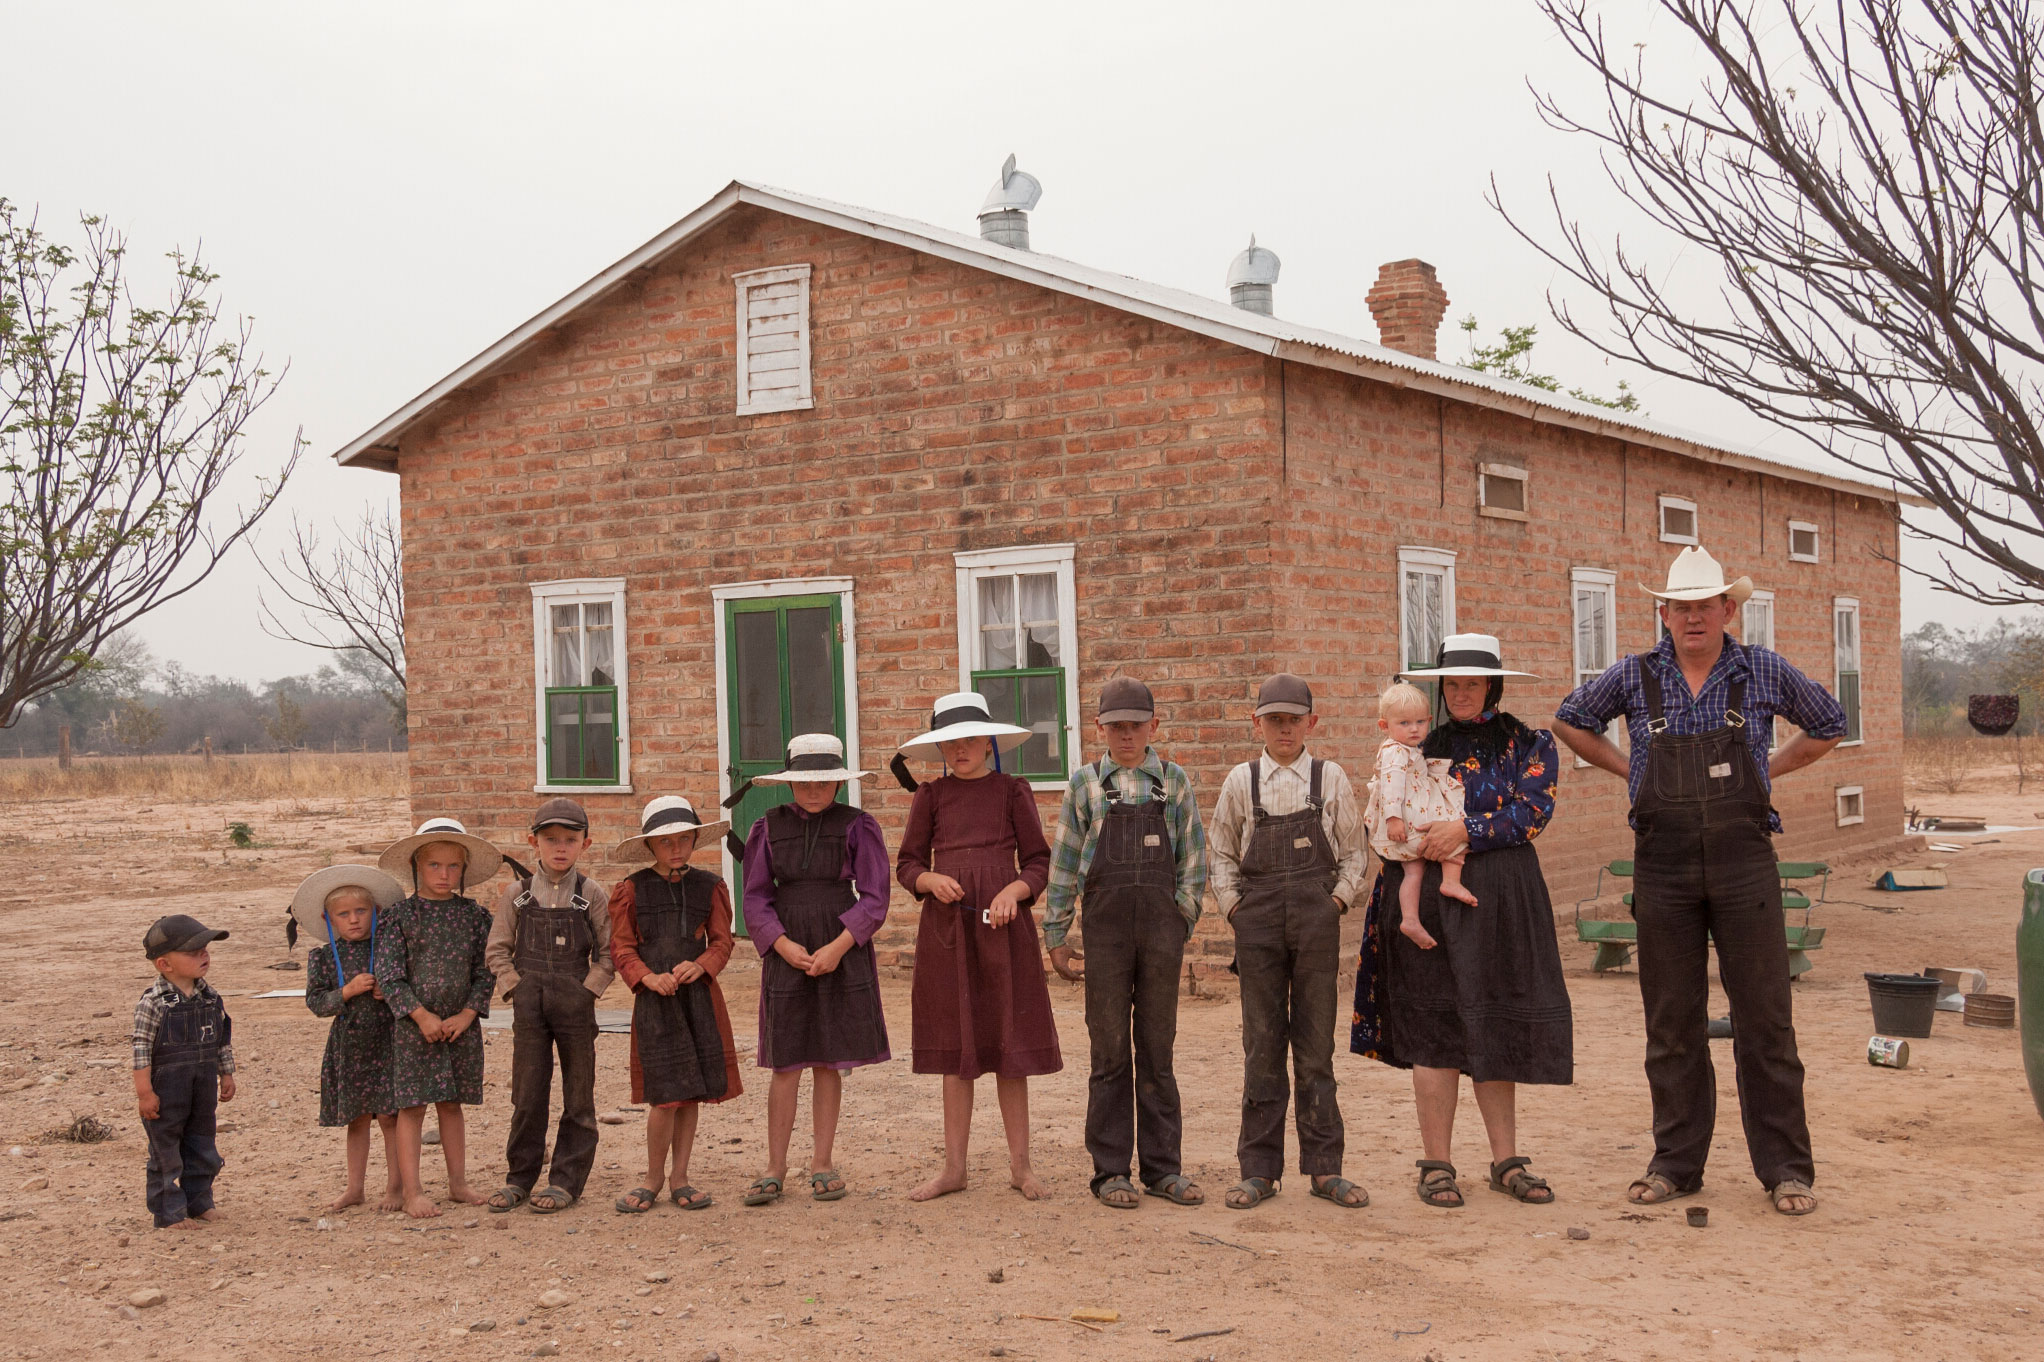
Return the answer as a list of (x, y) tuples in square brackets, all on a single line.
[(1700, 710)]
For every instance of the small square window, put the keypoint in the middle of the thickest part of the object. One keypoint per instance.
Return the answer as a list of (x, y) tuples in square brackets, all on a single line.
[(1678, 521), (1852, 807), (1501, 491), (1802, 542)]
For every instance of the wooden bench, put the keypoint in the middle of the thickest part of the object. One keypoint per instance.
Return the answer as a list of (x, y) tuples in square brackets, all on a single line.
[(1615, 939)]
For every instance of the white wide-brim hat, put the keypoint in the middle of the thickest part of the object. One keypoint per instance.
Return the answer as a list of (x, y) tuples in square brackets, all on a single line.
[(483, 859), (813, 757), (964, 715), (1696, 576), (308, 904), (1466, 655), (667, 816)]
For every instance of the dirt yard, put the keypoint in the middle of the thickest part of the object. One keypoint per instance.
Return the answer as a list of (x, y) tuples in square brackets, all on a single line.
[(1925, 1245)]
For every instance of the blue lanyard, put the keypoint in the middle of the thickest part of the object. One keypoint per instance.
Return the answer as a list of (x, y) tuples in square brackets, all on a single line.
[(334, 945)]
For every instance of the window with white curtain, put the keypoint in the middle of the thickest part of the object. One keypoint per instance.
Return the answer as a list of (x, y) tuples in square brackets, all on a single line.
[(579, 680), (1426, 604), (1018, 645), (1845, 647), (1595, 592)]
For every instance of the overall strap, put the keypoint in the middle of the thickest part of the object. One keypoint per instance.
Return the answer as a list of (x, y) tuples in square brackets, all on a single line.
[(1256, 787), (1651, 684), (1113, 792), (1313, 799), (1735, 705)]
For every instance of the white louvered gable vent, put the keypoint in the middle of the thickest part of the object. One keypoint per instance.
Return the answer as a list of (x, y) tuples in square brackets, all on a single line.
[(773, 340)]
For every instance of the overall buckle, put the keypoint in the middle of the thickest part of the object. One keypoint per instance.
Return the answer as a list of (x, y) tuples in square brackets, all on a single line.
[(1659, 725), (1734, 719)]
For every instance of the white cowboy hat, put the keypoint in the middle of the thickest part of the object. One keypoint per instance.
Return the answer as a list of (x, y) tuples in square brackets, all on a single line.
[(1696, 576), (308, 904), (483, 859), (817, 757), (1466, 655), (964, 715), (666, 816)]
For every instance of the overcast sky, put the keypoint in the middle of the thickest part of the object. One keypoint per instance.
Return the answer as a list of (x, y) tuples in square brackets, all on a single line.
[(388, 188)]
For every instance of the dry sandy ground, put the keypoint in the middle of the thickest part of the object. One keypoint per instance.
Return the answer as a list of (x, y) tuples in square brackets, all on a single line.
[(1925, 1245)]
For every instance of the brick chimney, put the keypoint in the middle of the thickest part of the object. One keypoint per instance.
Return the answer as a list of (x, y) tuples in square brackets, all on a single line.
[(1408, 302)]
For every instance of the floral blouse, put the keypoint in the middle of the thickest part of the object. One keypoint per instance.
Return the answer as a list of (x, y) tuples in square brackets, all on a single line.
[(1507, 772)]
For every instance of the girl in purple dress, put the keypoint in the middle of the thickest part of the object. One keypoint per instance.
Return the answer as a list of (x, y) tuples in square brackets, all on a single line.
[(975, 854)]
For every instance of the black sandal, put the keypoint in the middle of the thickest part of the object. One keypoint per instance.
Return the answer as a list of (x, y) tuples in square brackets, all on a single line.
[(1437, 1184), (1177, 1189), (551, 1200), (512, 1197), (1513, 1178), (1117, 1187), (1254, 1191)]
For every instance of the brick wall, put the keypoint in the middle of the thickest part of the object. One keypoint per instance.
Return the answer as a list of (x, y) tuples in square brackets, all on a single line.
[(1233, 515)]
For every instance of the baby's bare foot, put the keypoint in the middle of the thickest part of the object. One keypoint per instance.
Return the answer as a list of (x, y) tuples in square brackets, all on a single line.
[(352, 1197), (1418, 934), (1024, 1181), (1457, 893), (420, 1207), (462, 1192), (943, 1184)]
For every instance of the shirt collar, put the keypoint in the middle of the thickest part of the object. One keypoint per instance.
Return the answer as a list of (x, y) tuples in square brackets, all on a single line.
[(1731, 658), (1302, 768), (163, 988), (1151, 763)]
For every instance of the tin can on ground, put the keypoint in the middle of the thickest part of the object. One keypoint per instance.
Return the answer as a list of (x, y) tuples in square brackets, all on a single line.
[(1888, 1052)]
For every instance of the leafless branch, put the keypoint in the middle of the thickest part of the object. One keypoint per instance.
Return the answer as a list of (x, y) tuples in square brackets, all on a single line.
[(351, 597)]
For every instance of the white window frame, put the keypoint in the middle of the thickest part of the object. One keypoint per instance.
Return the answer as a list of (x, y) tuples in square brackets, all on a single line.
[(1850, 792), (1487, 471), (1766, 598), (974, 564), (1815, 538), (804, 396), (1839, 605), (1667, 503), (585, 591), (1419, 559), (1604, 581)]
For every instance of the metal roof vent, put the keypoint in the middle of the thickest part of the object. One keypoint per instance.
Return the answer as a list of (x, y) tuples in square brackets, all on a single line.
[(1251, 277), (1004, 217)]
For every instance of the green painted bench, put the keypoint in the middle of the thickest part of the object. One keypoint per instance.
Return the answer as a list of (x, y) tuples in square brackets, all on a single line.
[(1615, 940)]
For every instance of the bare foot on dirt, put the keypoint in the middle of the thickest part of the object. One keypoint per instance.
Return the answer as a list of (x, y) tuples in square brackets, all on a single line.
[(943, 1184), (420, 1207), (392, 1200), (211, 1215), (352, 1197), (1025, 1182), (467, 1195), (1457, 893), (188, 1223), (1418, 935)]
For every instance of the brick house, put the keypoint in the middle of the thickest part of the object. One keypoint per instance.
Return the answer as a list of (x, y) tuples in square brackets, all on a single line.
[(794, 465)]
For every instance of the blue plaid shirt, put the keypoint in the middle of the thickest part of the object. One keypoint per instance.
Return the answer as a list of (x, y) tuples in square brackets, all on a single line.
[(1773, 687)]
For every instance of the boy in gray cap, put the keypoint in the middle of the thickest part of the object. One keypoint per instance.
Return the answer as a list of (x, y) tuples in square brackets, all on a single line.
[(1289, 852), (184, 1067), (549, 947), (1129, 839)]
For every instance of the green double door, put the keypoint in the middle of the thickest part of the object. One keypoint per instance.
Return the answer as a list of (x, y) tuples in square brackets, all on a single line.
[(784, 674)]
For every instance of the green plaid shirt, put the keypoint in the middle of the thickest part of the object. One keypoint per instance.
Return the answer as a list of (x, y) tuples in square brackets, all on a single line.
[(1078, 831)]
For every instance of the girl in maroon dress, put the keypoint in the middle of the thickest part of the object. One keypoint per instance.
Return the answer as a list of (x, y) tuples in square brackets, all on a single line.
[(975, 854)]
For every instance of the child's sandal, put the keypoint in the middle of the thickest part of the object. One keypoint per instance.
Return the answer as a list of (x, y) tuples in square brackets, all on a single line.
[(510, 1197), (647, 1195), (689, 1199), (763, 1191), (820, 1188), (550, 1200)]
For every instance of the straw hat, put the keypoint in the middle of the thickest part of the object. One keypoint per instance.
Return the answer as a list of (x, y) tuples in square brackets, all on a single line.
[(666, 816), (483, 859), (964, 715), (308, 903), (817, 757), (1466, 655), (1696, 576)]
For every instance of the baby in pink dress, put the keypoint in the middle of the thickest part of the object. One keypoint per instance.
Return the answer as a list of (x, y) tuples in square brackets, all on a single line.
[(1410, 791)]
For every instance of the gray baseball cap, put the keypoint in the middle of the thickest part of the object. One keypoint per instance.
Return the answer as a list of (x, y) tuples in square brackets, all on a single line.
[(561, 812), (1284, 694), (178, 933), (1125, 699)]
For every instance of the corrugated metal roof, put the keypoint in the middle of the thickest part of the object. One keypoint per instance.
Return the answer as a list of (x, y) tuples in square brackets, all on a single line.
[(376, 447)]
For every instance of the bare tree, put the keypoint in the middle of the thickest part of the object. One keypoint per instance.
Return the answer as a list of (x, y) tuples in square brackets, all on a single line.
[(118, 424), (1868, 176), (352, 596)]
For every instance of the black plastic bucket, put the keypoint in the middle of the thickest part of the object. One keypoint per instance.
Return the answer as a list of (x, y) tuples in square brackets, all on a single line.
[(1903, 1003)]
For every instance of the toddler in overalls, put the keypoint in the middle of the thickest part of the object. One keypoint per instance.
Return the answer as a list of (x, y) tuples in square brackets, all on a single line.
[(1129, 843), (816, 888), (670, 936), (184, 1067), (1409, 791), (1288, 860), (550, 950), (340, 908)]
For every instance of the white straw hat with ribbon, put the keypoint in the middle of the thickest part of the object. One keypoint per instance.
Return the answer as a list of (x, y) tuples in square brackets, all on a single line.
[(1696, 576), (667, 816), (308, 903), (1466, 655), (964, 715), (483, 859), (812, 757)]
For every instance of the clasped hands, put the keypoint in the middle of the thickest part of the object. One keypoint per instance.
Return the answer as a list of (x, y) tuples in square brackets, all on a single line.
[(438, 1030), (818, 962), (1000, 912), (665, 982)]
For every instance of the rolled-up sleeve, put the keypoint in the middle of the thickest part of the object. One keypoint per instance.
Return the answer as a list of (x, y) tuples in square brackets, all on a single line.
[(1809, 706), (1597, 701)]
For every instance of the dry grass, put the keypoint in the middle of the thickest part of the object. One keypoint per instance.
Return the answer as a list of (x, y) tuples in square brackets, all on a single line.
[(269, 775), (1939, 762)]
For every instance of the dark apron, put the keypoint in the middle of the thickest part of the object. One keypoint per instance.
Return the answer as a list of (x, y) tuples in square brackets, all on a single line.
[(681, 1056), (554, 940), (832, 1018), (1701, 796)]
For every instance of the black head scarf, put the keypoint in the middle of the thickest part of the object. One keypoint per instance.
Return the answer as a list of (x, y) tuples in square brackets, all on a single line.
[(1484, 737)]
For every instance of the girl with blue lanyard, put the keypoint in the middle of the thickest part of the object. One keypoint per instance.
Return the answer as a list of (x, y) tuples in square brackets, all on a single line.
[(338, 907)]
